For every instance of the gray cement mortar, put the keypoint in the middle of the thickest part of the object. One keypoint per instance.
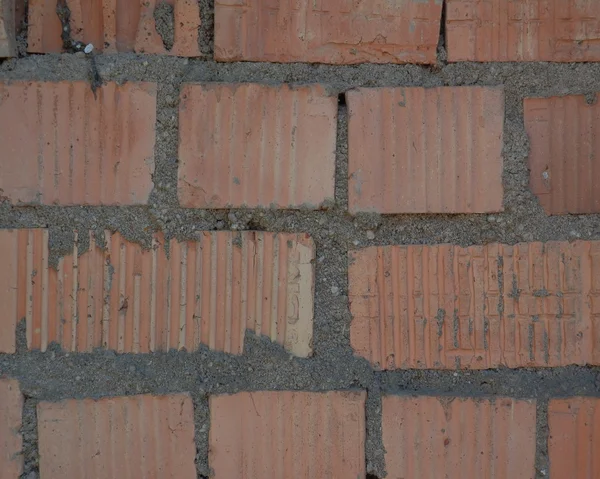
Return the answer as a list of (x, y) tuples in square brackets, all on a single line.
[(57, 375)]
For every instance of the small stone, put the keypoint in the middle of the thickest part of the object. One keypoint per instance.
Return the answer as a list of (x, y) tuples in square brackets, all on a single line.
[(335, 290), (89, 48), (491, 218), (77, 378), (370, 235), (356, 242), (575, 234)]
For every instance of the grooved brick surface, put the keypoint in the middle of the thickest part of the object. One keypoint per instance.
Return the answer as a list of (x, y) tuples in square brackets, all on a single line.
[(62, 146), (458, 438), (114, 26), (565, 167), (523, 30), (133, 300), (425, 150), (574, 438), (11, 442), (263, 435), (254, 145), (135, 436), (445, 307), (8, 47), (333, 31)]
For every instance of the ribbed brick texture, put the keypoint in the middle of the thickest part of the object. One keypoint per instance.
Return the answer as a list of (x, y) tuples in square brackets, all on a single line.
[(458, 438), (523, 30), (445, 307), (114, 26), (136, 436), (333, 31), (255, 145), (8, 46), (425, 150), (64, 145), (11, 442), (129, 299), (574, 438), (257, 435), (565, 167)]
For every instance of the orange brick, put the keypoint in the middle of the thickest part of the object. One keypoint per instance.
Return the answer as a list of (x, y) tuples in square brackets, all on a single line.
[(287, 434), (64, 145), (136, 436), (8, 45), (114, 26), (574, 439), (11, 442), (255, 145), (458, 438), (417, 150), (133, 300), (565, 167), (445, 307), (335, 31), (523, 30)]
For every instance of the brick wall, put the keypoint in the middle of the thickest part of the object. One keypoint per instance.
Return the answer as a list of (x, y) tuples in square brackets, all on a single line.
[(283, 239)]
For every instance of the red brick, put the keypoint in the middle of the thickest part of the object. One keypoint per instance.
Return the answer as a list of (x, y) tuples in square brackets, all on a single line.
[(335, 31), (11, 442), (64, 145), (136, 436), (458, 438), (574, 439), (564, 157), (114, 26), (129, 299), (287, 434), (445, 307), (8, 290), (8, 44), (523, 30), (255, 145), (417, 150)]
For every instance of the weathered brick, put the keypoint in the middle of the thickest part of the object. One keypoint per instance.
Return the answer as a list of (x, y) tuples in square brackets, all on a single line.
[(11, 442), (574, 439), (287, 434), (425, 150), (256, 145), (8, 44), (564, 156), (444, 306), (335, 31), (63, 144), (523, 30), (129, 299), (136, 436), (8, 290), (115, 26), (458, 438)]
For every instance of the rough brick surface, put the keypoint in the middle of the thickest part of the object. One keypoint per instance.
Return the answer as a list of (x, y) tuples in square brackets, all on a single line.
[(458, 438), (254, 145), (137, 436), (574, 439), (260, 435), (9, 250), (565, 167), (443, 307), (418, 150), (63, 145), (133, 300), (335, 31), (11, 443), (115, 26), (8, 46), (523, 30)]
